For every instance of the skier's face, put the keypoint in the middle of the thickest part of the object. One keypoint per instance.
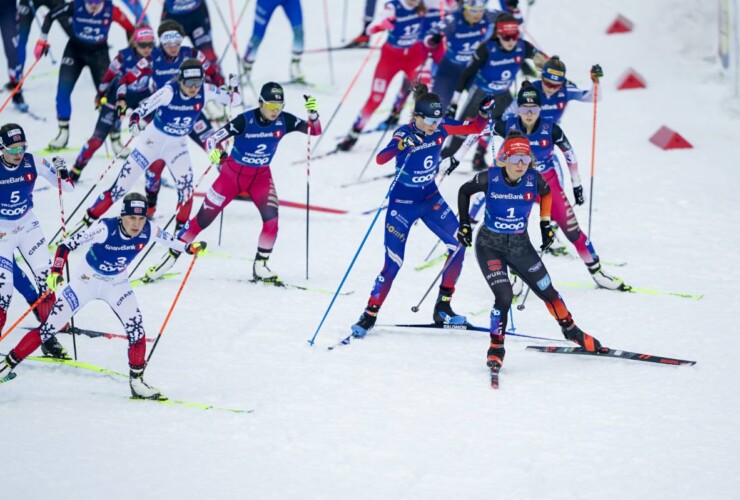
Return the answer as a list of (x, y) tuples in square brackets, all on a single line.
[(473, 14), (172, 48), (529, 114), (427, 125), (94, 6), (13, 154), (145, 49), (271, 110), (550, 87), (189, 87), (133, 224), (517, 165)]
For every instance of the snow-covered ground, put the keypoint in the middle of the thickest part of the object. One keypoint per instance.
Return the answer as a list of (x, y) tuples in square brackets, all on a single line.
[(410, 414)]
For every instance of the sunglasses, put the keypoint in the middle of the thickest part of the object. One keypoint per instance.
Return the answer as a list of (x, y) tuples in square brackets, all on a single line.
[(509, 38), (430, 121), (520, 158), (476, 10), (551, 85), (17, 150), (273, 106), (529, 110), (193, 83), (145, 45)]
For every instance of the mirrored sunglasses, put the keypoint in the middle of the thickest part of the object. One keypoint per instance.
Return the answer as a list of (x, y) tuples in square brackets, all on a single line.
[(520, 158), (529, 110), (17, 150), (431, 121), (193, 83), (145, 45), (509, 38), (273, 106)]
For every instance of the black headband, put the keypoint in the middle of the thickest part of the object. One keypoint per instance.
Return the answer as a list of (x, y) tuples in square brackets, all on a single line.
[(133, 207), (12, 136)]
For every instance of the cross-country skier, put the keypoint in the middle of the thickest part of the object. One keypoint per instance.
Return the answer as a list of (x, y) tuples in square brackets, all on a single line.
[(493, 69), (544, 135), (176, 107), (402, 52), (88, 46), (263, 14), (415, 148), (114, 244), (19, 227), (193, 16), (112, 108), (503, 241), (257, 134)]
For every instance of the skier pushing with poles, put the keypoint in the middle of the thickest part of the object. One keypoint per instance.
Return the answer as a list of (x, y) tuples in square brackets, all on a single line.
[(115, 243)]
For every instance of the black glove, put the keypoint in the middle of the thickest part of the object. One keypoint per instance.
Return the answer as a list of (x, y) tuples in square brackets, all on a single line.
[(433, 40), (578, 194), (411, 141), (465, 235), (596, 72), (451, 111), (512, 4), (487, 104), (120, 108), (548, 235)]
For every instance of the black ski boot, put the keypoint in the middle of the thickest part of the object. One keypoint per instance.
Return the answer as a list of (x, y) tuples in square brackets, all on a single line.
[(53, 349), (583, 339), (496, 353), (479, 160), (366, 322), (443, 313), (349, 142)]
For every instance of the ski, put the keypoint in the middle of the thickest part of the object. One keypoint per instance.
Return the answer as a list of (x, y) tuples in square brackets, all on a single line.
[(7, 378), (464, 326), (308, 85), (644, 291), (190, 404), (494, 377), (613, 353), (282, 284), (93, 334), (145, 281), (344, 341), (77, 364), (337, 48)]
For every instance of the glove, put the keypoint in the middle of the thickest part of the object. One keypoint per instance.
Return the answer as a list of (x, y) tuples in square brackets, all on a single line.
[(312, 106), (596, 72), (233, 82), (134, 124), (216, 156), (454, 163), (196, 248), (432, 41), (487, 104), (548, 235), (410, 141), (578, 194), (385, 25), (100, 100), (465, 235), (54, 280), (41, 48), (120, 108), (61, 167), (451, 111)]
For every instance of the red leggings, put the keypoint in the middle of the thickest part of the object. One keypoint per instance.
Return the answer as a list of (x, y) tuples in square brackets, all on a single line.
[(233, 180)]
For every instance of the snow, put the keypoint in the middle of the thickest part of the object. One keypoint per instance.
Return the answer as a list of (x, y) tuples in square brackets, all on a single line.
[(410, 414)]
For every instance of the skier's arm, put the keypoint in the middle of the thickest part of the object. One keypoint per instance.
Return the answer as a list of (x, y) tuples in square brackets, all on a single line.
[(122, 20), (62, 11), (558, 136), (234, 127), (166, 239), (213, 93), (49, 172), (440, 30), (294, 123), (402, 142), (162, 97), (454, 127), (543, 189), (114, 69), (478, 184), (531, 52), (96, 233), (573, 93), (142, 69), (384, 21), (479, 59)]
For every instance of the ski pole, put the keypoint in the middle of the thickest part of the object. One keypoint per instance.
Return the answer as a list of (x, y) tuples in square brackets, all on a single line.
[(372, 155), (19, 84), (308, 184), (520, 307), (593, 157), (23, 316), (344, 22), (439, 275), (66, 264), (172, 307), (143, 12), (328, 43), (38, 23), (376, 44), (359, 249), (110, 165)]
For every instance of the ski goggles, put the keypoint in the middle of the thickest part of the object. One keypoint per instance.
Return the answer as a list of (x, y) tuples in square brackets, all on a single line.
[(18, 150), (475, 10), (272, 106), (529, 110), (509, 38), (430, 120), (550, 84), (171, 38), (520, 158), (145, 45), (193, 83)]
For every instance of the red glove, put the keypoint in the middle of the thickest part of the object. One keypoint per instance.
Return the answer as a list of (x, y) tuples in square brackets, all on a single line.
[(384, 25), (41, 48)]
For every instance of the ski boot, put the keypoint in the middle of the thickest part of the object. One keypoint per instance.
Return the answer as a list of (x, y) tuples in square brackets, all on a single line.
[(158, 271), (18, 101), (260, 271), (496, 353), (479, 160), (62, 138), (139, 388), (76, 172), (361, 41), (443, 313), (296, 74), (366, 322), (118, 149), (7, 366), (583, 339), (603, 280), (151, 202), (53, 349), (247, 71), (348, 142)]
